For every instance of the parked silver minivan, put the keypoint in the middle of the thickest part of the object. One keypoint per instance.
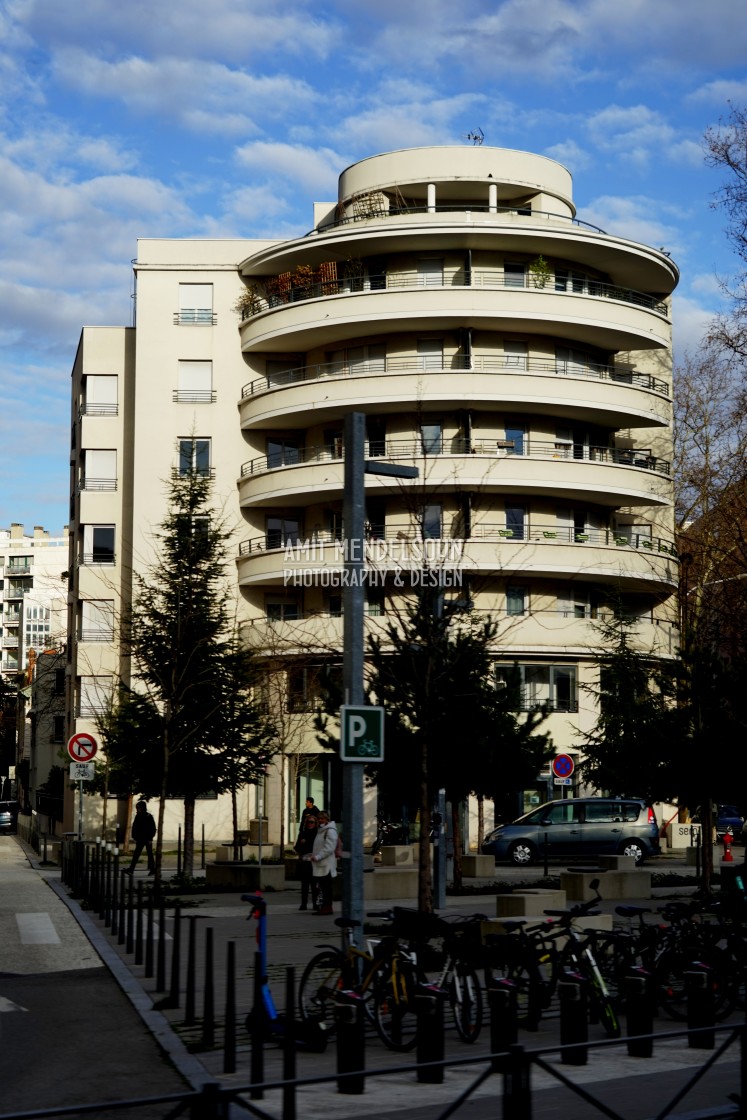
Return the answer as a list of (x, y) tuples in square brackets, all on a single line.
[(578, 827)]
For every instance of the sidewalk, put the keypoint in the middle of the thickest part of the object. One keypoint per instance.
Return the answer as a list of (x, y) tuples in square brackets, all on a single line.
[(293, 938)]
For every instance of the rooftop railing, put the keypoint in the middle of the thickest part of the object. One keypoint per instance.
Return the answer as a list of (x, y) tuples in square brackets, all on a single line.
[(384, 212), (499, 364)]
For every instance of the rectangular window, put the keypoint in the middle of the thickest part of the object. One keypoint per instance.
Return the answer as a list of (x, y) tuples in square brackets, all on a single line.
[(430, 273), (99, 469), (282, 610), (195, 382), (430, 353), (431, 439), (516, 600), (515, 354), (99, 395), (514, 274), (283, 452), (552, 685), (282, 531), (97, 620), (59, 682), (195, 305), (58, 729), (303, 688), (515, 519), (194, 455), (515, 435), (432, 522), (376, 435), (94, 694), (98, 544)]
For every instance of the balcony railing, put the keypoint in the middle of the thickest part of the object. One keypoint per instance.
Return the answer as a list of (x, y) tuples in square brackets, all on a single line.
[(95, 635), (93, 409), (195, 317), (18, 569), (500, 364), (106, 558), (489, 279), (388, 209), (98, 484), (321, 544), (10, 641), (488, 448), (194, 396)]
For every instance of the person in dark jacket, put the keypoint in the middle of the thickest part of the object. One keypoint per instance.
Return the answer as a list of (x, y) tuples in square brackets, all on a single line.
[(304, 846), (143, 831)]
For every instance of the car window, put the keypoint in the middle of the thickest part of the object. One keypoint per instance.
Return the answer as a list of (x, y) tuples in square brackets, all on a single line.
[(565, 813), (631, 812), (603, 812)]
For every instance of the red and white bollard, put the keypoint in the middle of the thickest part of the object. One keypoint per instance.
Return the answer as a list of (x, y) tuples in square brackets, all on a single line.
[(728, 840)]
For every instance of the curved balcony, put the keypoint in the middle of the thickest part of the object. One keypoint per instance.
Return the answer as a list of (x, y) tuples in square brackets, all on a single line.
[(604, 555), (540, 633), (615, 476), (595, 314), (617, 396)]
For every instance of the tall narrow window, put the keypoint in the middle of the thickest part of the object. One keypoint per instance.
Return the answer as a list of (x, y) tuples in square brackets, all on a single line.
[(100, 395), (431, 439), (515, 434), (514, 274), (515, 518), (97, 620), (195, 382), (100, 469), (432, 522), (283, 452), (98, 544), (430, 353), (430, 273), (515, 354), (195, 304), (516, 600), (194, 455)]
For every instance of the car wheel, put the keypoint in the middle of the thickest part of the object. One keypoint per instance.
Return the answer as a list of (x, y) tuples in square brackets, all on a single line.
[(522, 853), (635, 849)]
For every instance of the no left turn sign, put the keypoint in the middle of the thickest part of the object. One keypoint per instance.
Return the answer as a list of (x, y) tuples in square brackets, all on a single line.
[(82, 747)]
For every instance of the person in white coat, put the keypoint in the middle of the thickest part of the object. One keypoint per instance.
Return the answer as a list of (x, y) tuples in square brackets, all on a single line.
[(324, 860)]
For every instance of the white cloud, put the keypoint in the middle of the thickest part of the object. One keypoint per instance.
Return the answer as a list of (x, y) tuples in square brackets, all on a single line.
[(298, 167), (719, 92), (690, 320), (636, 218), (571, 155)]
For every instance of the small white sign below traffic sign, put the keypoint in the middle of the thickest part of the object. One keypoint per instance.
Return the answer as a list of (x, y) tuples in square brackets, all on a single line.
[(82, 771)]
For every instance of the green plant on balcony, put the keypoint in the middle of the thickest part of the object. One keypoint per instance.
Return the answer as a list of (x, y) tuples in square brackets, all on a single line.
[(250, 301), (540, 272)]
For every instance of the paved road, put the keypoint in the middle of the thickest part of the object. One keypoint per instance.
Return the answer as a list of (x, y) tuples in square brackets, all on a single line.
[(67, 1031), (81, 1038)]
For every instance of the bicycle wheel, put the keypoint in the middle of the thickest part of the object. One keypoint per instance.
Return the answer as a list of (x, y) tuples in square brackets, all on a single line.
[(321, 978), (394, 1008), (465, 998), (671, 980), (605, 1012)]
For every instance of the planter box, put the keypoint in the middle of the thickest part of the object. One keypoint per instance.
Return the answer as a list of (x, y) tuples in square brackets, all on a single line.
[(478, 867), (396, 855), (246, 876)]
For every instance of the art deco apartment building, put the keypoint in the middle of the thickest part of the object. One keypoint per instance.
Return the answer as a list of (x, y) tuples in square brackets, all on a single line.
[(520, 358)]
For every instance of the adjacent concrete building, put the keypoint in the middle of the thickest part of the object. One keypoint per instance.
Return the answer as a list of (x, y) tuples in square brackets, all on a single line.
[(519, 357)]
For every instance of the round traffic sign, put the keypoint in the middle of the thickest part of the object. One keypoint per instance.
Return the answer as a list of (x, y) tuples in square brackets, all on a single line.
[(563, 766), (82, 747)]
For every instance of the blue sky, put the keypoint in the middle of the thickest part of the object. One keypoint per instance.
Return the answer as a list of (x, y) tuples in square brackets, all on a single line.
[(154, 118)]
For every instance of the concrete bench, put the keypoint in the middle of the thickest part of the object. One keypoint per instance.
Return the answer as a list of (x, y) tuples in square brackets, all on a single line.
[(246, 876), (529, 903), (478, 867), (391, 882), (396, 855), (612, 884)]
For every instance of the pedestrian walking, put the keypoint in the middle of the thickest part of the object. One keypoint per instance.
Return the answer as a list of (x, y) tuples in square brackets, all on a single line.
[(324, 860), (304, 846), (143, 831)]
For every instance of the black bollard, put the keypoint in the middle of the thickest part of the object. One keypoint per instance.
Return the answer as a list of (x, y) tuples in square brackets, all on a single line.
[(114, 925), (161, 951), (701, 1008), (574, 1026), (504, 1029), (176, 961), (107, 886), (639, 1003), (429, 1015), (289, 1047), (190, 1014), (130, 916), (149, 940), (255, 1024), (229, 1042), (122, 923), (208, 1007), (351, 1043), (517, 1092), (139, 925)]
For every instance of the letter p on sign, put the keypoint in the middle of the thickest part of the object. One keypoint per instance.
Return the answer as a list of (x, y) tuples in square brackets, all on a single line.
[(361, 734)]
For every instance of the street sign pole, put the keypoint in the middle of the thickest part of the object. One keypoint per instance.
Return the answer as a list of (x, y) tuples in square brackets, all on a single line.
[(353, 516), (80, 810)]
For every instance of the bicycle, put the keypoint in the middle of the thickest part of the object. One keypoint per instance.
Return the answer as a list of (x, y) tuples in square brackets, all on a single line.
[(530, 956), (457, 976), (383, 975)]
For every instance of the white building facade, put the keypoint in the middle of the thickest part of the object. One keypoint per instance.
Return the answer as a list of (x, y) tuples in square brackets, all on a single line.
[(518, 357)]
